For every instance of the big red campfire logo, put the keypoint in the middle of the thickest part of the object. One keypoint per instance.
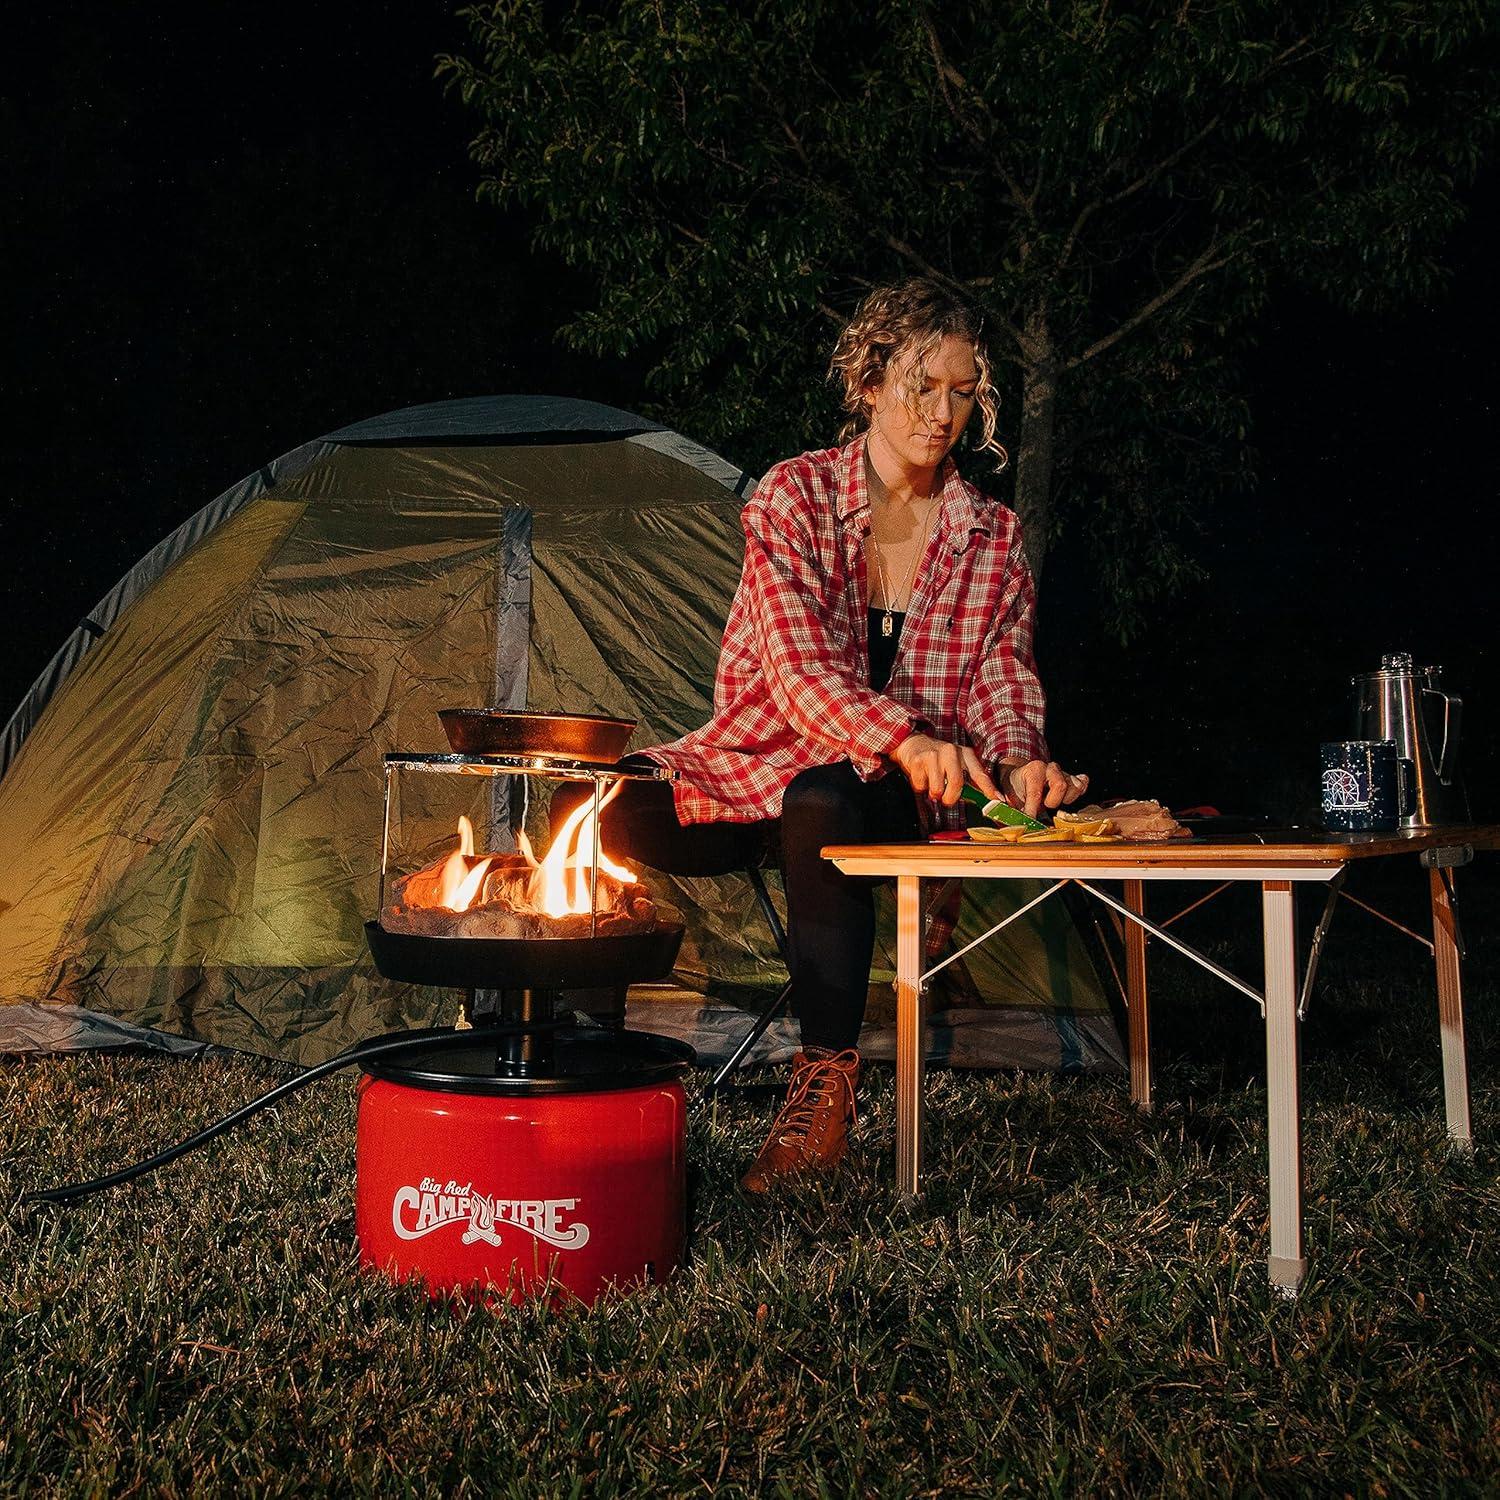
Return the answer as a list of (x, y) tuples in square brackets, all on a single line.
[(417, 1211)]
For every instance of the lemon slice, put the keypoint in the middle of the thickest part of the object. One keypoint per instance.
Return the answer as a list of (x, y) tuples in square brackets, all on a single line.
[(996, 835)]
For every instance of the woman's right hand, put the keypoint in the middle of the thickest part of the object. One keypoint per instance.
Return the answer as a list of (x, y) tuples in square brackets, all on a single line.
[(940, 769)]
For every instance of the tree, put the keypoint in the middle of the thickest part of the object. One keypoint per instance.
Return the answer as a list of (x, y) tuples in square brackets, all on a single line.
[(1122, 188)]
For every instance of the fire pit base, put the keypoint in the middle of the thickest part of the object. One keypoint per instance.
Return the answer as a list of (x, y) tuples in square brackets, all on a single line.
[(562, 1187), (516, 963)]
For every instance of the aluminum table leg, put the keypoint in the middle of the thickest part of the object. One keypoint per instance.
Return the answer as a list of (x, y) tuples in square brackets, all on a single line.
[(1450, 1013), (910, 1054), (1137, 1007), (1288, 1261)]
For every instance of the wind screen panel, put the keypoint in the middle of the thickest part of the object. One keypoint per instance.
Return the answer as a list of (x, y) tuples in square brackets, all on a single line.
[(373, 618)]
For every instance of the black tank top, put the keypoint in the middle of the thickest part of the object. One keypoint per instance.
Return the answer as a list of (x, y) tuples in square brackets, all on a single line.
[(883, 648)]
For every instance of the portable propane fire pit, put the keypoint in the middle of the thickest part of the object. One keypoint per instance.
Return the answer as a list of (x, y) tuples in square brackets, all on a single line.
[(521, 1153), (537, 1153)]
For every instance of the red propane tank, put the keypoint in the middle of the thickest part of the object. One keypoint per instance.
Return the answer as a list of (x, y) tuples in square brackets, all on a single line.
[(563, 1186)]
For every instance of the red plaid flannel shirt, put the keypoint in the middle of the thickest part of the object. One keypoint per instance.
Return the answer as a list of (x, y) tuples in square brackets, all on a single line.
[(792, 689)]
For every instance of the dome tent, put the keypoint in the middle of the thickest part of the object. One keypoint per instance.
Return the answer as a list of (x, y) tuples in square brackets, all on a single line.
[(191, 794)]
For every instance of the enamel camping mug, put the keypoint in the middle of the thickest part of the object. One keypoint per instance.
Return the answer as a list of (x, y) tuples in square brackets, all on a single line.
[(1367, 787)]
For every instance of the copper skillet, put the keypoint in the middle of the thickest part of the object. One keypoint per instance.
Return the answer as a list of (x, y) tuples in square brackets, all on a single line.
[(496, 731)]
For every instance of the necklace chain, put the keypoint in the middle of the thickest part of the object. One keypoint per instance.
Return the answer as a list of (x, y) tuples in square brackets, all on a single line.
[(887, 622)]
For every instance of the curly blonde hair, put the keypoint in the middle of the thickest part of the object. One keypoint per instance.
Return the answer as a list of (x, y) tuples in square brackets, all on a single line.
[(910, 317)]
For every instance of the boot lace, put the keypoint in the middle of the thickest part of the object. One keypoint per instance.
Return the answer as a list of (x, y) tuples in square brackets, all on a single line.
[(815, 1087)]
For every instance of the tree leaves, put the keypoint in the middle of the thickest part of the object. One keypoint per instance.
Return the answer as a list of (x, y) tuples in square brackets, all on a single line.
[(1132, 181)]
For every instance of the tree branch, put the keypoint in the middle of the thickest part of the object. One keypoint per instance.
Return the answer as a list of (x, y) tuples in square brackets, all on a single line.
[(1153, 172), (697, 239), (1207, 261), (891, 241), (796, 144), (947, 74), (836, 200), (1145, 180), (915, 258)]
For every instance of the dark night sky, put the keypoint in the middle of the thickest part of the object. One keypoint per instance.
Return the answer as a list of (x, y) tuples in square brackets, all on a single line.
[(229, 232)]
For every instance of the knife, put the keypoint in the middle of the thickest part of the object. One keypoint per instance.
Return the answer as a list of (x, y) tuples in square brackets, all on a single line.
[(1001, 812)]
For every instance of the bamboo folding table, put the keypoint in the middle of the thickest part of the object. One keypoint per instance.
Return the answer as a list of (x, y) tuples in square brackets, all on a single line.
[(1277, 862)]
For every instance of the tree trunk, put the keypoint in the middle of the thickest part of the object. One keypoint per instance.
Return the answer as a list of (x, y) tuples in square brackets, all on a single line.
[(1034, 447)]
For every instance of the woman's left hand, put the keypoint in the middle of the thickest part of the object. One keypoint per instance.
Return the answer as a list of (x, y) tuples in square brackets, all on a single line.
[(1035, 784)]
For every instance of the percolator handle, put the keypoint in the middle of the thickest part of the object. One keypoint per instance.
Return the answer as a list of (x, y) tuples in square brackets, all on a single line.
[(1453, 713)]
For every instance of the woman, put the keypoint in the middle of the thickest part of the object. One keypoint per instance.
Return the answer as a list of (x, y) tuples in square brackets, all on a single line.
[(877, 656)]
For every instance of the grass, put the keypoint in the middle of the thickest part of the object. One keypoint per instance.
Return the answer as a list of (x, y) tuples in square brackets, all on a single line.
[(1078, 1304)]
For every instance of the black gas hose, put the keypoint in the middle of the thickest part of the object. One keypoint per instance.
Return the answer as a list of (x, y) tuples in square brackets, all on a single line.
[(381, 1046)]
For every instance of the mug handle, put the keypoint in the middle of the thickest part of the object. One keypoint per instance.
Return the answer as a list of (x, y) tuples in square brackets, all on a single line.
[(1406, 785)]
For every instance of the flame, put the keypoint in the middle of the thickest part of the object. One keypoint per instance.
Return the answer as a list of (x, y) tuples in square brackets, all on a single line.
[(460, 881), (559, 885)]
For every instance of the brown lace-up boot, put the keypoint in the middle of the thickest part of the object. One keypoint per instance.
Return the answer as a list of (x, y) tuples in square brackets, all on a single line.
[(811, 1133)]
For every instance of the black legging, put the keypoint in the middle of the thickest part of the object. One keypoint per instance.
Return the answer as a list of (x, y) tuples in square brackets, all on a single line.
[(830, 916)]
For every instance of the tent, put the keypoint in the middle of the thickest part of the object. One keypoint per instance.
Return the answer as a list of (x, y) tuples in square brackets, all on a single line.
[(191, 794)]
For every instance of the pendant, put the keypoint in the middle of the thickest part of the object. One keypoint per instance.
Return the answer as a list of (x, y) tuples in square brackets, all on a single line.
[(887, 625)]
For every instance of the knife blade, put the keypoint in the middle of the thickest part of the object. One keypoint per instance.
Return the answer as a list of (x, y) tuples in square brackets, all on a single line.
[(1001, 812)]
